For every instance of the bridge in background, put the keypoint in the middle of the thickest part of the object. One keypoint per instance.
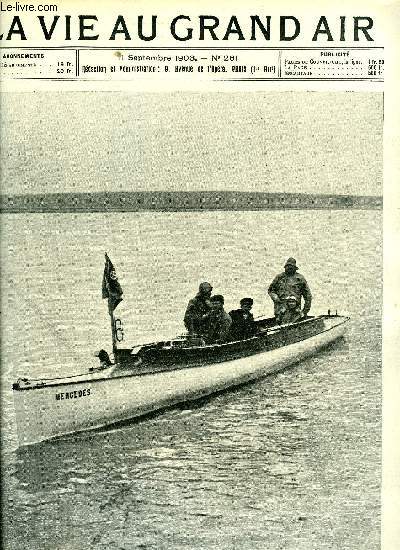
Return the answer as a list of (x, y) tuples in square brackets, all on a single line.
[(177, 201)]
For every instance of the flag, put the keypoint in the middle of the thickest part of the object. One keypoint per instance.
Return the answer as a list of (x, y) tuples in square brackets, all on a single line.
[(111, 288)]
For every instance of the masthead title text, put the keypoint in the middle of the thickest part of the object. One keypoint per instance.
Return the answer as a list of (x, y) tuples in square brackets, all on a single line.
[(182, 28)]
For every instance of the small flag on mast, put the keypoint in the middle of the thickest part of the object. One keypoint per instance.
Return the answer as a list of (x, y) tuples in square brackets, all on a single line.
[(111, 288)]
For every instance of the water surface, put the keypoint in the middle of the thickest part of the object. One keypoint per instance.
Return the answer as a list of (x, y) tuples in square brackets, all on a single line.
[(291, 462)]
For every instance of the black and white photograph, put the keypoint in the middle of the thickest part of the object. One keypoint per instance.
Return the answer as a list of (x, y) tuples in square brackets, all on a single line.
[(192, 308)]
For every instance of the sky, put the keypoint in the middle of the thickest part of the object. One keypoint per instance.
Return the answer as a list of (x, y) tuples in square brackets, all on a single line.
[(307, 142)]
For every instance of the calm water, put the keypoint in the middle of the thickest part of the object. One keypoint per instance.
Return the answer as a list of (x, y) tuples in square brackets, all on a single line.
[(290, 462)]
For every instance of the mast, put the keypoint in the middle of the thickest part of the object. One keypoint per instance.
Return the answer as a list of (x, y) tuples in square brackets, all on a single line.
[(113, 331)]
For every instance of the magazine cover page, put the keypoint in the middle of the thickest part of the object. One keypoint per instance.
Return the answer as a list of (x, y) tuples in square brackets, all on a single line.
[(199, 220)]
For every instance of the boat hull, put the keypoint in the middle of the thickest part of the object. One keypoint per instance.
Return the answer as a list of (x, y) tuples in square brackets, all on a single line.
[(55, 410)]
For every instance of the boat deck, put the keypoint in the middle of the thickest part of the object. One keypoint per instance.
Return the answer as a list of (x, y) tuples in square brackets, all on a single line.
[(164, 356)]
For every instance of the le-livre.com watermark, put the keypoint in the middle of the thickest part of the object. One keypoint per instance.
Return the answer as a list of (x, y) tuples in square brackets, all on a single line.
[(21, 7)]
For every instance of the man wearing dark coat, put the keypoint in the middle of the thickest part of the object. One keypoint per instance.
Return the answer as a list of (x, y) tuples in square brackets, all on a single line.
[(198, 310), (218, 322), (243, 325), (289, 283)]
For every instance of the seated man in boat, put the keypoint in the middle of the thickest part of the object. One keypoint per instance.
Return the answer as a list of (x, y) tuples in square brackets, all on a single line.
[(291, 313), (219, 322), (243, 325), (198, 310), (289, 283)]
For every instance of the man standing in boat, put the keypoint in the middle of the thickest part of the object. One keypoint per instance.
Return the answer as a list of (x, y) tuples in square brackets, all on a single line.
[(289, 283), (198, 310)]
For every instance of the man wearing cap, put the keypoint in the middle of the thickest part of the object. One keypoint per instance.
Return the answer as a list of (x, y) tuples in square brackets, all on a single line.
[(198, 310), (243, 325), (289, 283)]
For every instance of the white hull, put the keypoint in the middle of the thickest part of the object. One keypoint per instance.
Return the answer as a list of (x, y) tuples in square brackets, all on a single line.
[(43, 413)]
